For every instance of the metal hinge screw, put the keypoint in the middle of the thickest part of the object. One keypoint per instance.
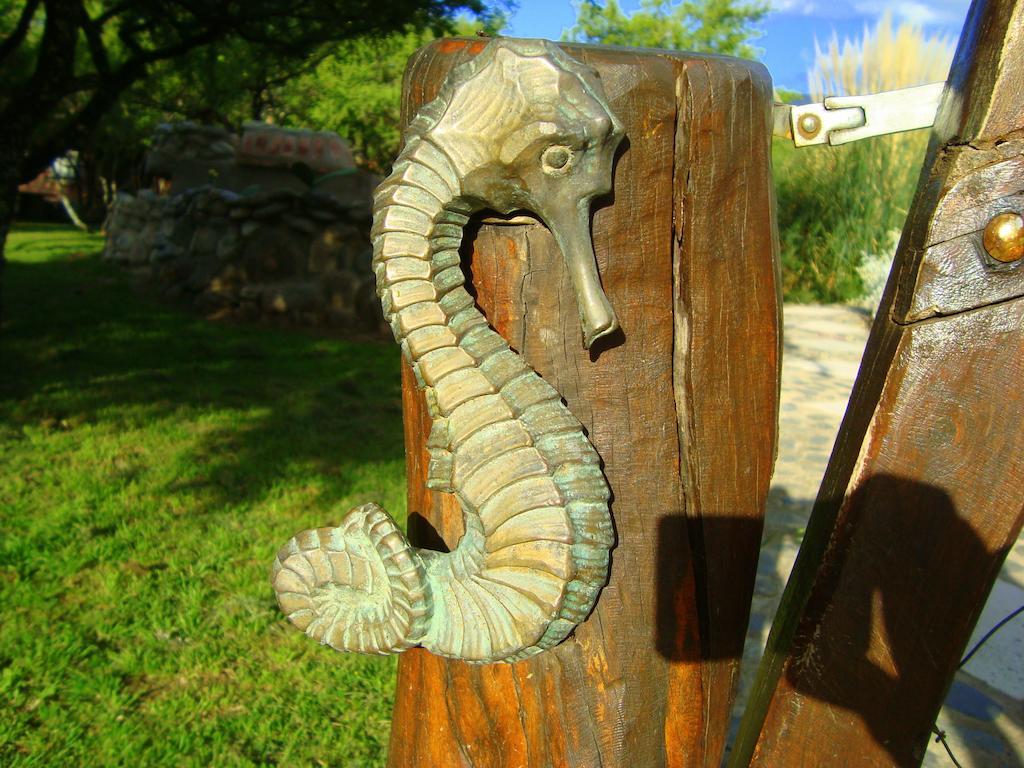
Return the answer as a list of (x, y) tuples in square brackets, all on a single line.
[(1004, 237)]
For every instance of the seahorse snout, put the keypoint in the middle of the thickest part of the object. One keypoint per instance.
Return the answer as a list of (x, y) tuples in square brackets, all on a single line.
[(605, 324), (570, 226)]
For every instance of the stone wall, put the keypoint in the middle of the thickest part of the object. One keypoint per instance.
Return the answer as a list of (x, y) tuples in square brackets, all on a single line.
[(303, 257)]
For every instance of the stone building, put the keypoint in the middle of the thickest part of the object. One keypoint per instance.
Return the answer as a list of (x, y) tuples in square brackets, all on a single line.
[(272, 223)]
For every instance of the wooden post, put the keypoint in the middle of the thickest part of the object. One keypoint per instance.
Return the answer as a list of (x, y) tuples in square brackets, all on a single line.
[(923, 495), (681, 405)]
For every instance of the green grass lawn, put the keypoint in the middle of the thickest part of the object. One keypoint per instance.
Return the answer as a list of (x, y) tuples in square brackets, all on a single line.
[(152, 463)]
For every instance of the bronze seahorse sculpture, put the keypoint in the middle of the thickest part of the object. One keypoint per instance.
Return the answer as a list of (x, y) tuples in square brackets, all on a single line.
[(522, 126)]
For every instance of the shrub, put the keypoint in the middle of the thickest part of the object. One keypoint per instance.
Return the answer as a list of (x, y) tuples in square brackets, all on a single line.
[(837, 203)]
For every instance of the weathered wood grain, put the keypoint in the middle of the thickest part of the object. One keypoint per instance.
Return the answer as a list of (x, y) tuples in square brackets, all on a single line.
[(727, 353), (954, 273), (922, 497), (648, 678)]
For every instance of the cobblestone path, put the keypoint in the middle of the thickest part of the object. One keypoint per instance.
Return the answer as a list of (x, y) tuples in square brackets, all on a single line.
[(983, 716)]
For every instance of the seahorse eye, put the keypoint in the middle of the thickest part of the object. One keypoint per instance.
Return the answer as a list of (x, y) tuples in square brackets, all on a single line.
[(556, 159)]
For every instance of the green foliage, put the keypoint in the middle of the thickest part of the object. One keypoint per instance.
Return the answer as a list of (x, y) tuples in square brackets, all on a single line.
[(348, 84), (95, 77), (153, 462), (355, 89), (838, 205), (69, 67), (788, 96), (223, 85), (704, 26), (841, 205), (17, 60)]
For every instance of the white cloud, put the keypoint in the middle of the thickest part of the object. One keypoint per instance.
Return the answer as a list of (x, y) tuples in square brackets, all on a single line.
[(801, 7), (925, 12)]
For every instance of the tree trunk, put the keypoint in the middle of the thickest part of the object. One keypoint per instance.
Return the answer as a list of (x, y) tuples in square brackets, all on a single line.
[(9, 180), (69, 209)]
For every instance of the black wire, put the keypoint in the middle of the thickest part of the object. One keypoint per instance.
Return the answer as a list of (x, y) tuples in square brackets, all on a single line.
[(996, 628), (940, 735), (940, 738)]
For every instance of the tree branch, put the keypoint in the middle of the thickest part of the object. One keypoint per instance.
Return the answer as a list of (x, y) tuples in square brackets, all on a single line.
[(13, 40), (71, 133), (55, 65), (94, 39), (46, 111), (113, 11), (181, 47)]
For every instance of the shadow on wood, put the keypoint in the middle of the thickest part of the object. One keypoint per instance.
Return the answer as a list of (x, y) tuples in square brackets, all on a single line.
[(875, 658)]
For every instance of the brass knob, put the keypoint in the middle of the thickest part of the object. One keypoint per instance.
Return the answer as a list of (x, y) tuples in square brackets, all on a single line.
[(809, 125), (1004, 237)]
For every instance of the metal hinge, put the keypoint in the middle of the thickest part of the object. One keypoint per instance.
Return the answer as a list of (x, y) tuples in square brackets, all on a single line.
[(841, 119)]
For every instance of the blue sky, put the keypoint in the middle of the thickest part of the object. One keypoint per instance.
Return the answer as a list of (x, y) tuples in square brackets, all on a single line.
[(789, 31)]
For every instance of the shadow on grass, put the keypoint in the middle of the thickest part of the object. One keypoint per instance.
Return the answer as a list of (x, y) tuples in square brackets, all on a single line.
[(81, 345)]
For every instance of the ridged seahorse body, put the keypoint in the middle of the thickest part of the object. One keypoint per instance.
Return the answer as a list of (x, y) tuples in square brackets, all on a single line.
[(521, 126)]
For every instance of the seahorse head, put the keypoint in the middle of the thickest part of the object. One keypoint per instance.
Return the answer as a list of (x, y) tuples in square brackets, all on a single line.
[(528, 128)]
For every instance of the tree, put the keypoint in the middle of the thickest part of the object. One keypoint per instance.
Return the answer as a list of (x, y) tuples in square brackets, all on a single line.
[(224, 84), (355, 89), (704, 26), (65, 64), (352, 87)]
